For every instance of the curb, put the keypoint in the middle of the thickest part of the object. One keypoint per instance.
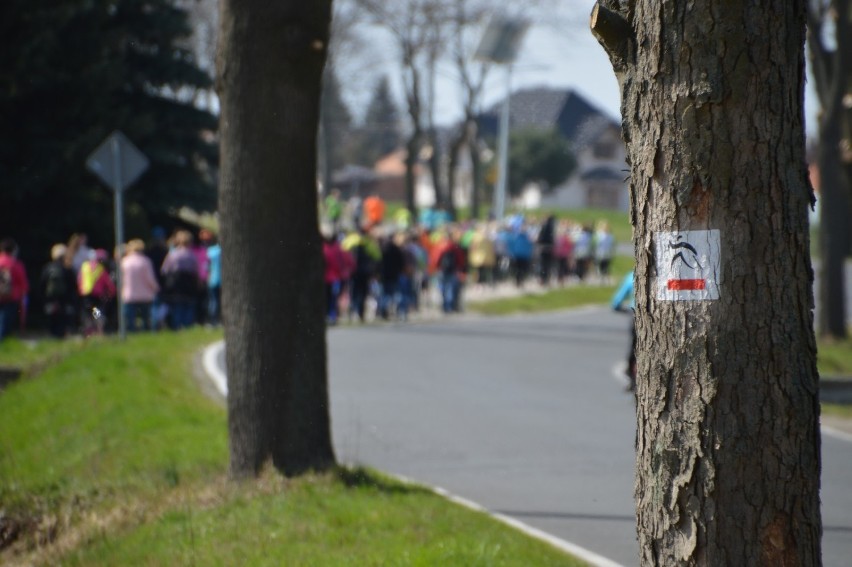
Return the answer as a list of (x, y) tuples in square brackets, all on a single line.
[(211, 353)]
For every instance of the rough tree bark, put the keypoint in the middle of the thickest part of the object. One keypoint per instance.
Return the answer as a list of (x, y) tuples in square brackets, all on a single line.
[(727, 436), (270, 63)]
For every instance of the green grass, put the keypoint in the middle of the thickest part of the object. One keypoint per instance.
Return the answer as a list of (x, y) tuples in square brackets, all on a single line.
[(835, 357), (344, 518), (31, 355), (578, 295), (564, 298), (121, 415), (111, 455), (837, 410)]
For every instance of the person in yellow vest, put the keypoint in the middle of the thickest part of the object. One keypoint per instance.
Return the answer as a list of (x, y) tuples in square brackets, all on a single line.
[(97, 292)]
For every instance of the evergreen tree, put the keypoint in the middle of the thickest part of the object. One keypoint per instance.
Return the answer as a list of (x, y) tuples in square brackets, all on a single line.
[(71, 72), (380, 133), (335, 126)]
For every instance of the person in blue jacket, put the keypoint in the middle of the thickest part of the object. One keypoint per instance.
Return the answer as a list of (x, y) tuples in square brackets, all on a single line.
[(520, 249), (625, 294)]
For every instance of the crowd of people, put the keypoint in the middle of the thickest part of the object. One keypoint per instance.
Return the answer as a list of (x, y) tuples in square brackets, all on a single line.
[(170, 282), (397, 263), (374, 267)]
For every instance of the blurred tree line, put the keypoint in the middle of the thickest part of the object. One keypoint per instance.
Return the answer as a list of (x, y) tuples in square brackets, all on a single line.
[(71, 72)]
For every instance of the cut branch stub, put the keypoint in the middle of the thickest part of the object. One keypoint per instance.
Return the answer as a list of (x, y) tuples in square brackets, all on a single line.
[(614, 33)]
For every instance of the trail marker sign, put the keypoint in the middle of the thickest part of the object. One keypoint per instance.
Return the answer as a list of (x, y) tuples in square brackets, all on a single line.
[(688, 265)]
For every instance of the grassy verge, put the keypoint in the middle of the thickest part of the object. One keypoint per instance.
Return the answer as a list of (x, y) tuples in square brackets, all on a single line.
[(112, 456), (342, 518), (29, 356), (835, 357), (561, 298)]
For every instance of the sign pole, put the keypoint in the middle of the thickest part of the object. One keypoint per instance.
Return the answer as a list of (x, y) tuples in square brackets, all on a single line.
[(500, 44), (503, 171), (118, 163), (119, 233)]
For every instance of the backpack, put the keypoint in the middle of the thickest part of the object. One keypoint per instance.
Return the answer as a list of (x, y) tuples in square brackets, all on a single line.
[(365, 266), (447, 262), (55, 286), (5, 283)]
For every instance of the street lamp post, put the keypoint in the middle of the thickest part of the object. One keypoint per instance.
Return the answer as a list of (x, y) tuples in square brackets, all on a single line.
[(500, 44)]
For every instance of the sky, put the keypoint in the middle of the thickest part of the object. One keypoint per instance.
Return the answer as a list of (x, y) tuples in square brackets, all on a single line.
[(560, 53)]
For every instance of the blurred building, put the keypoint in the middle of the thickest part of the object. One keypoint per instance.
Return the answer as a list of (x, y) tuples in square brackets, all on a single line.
[(600, 179)]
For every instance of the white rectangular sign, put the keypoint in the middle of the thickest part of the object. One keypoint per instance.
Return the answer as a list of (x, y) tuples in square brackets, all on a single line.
[(688, 265)]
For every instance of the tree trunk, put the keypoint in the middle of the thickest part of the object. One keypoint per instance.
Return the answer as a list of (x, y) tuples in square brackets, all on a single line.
[(727, 435), (435, 170), (452, 165), (475, 171), (833, 232), (270, 63), (411, 158)]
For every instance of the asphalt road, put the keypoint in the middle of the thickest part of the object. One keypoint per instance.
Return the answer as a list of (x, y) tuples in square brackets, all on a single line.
[(523, 415)]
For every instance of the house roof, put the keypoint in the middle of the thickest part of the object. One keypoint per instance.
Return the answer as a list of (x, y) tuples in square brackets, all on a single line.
[(353, 174), (545, 108)]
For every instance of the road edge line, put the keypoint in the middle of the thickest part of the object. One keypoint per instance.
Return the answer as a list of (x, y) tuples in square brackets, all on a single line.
[(208, 360), (836, 433), (220, 381), (586, 555)]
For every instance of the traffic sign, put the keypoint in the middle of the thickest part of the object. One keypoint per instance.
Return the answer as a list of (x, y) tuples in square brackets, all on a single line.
[(117, 162)]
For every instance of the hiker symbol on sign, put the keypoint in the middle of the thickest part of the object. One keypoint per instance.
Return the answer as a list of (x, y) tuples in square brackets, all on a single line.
[(688, 265)]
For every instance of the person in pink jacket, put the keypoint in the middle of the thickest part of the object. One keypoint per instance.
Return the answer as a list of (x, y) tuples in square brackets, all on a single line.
[(14, 287), (139, 286), (337, 267)]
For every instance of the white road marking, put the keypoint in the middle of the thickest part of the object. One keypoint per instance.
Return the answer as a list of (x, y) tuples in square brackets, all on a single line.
[(209, 360)]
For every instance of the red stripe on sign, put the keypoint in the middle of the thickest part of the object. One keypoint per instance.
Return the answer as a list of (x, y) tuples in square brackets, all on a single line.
[(686, 285)]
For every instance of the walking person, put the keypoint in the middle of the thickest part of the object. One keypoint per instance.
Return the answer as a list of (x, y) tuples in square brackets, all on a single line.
[(139, 286), (58, 290), (481, 256), (583, 252), (335, 266), (546, 242), (604, 250), (14, 287), (520, 249), (97, 291), (625, 294), (366, 254), (563, 251), (180, 281), (448, 264), (156, 251), (214, 282), (205, 237), (390, 271)]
